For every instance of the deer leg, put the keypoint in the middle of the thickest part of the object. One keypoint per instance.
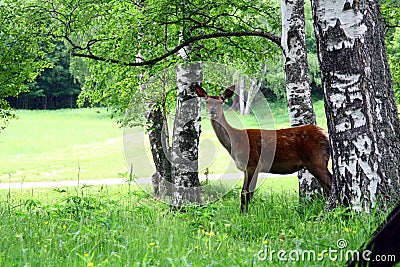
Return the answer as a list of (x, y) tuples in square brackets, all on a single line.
[(243, 195), (323, 176), (249, 184)]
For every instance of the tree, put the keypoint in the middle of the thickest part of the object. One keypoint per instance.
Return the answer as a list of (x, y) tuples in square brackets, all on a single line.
[(391, 13), (360, 105), (148, 35), (185, 143), (23, 45), (254, 87), (298, 90), (54, 87)]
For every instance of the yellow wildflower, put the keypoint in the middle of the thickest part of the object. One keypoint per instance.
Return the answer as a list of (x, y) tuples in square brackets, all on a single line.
[(90, 264), (210, 233), (86, 254)]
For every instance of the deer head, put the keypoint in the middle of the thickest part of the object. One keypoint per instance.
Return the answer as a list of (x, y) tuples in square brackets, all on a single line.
[(214, 103)]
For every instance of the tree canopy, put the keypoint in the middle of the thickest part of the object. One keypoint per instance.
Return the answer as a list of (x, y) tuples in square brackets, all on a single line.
[(132, 40), (23, 46), (113, 43), (391, 12)]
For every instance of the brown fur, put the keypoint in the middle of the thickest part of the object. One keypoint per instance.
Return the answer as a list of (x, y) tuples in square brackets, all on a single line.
[(282, 151)]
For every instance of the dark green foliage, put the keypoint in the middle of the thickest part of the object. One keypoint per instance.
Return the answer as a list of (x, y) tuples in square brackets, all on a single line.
[(54, 88), (391, 13)]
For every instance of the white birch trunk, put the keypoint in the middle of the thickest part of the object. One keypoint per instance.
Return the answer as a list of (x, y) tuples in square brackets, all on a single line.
[(254, 86), (359, 100), (241, 95), (185, 141), (298, 90)]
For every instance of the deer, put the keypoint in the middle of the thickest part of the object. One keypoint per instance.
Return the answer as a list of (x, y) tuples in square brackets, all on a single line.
[(282, 151)]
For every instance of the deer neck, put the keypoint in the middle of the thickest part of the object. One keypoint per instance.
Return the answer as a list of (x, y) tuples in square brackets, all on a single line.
[(224, 131)]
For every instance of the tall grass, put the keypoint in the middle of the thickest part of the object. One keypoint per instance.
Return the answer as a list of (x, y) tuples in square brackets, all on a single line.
[(118, 226)]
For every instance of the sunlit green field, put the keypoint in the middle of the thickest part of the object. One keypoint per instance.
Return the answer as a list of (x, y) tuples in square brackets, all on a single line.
[(60, 145), (87, 144)]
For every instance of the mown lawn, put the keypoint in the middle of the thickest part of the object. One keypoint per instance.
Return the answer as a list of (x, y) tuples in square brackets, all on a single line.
[(86, 143), (60, 145)]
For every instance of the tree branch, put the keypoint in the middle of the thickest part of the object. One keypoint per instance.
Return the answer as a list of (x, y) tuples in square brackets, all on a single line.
[(191, 40)]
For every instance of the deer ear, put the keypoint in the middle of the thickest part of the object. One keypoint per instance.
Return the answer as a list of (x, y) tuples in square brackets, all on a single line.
[(199, 91), (228, 93)]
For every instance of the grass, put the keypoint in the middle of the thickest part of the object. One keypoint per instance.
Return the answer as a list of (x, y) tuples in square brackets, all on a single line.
[(57, 145), (65, 144), (121, 226)]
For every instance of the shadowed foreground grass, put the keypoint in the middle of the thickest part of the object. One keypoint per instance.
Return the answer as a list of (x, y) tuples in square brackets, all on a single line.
[(122, 226)]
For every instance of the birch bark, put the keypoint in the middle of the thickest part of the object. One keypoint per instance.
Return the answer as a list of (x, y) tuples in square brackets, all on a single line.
[(254, 86), (241, 95), (185, 142), (298, 92), (359, 101)]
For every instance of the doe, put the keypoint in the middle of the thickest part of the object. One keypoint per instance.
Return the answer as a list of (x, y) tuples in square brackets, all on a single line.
[(281, 151)]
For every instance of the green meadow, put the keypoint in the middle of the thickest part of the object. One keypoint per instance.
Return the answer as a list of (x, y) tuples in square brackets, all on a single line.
[(87, 144), (121, 225), (60, 145)]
